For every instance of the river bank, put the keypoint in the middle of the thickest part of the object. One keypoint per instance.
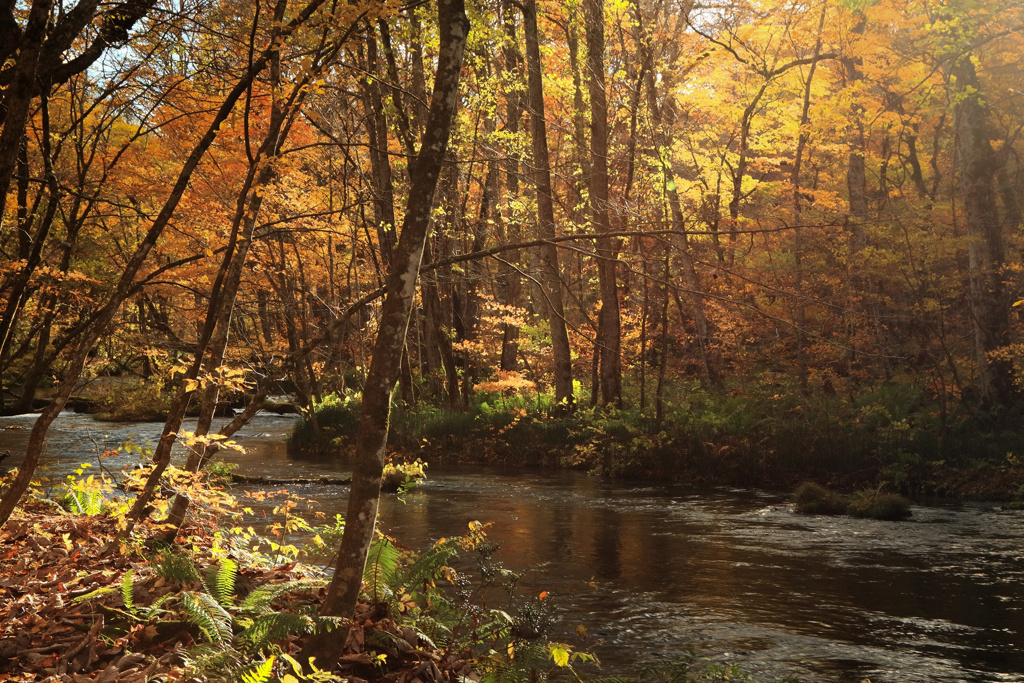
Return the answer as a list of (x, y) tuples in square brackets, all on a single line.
[(890, 436), (767, 444)]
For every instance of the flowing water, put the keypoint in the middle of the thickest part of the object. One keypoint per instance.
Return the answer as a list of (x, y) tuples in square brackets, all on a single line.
[(652, 571)]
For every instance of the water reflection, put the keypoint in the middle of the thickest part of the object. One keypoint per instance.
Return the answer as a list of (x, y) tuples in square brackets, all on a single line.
[(737, 574)]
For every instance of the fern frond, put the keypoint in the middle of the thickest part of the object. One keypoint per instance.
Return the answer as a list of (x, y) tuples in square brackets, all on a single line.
[(259, 600), (128, 590), (328, 624), (381, 569), (272, 627), (154, 609), (176, 567), (433, 631), (262, 673), (214, 663), (430, 565), (420, 635), (220, 581), (206, 613)]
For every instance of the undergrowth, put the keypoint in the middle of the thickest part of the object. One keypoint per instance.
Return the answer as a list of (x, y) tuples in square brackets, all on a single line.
[(226, 603), (766, 434)]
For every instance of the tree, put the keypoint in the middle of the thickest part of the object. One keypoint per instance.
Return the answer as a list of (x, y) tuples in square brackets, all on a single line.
[(125, 286), (550, 277), (361, 516), (609, 328), (990, 303)]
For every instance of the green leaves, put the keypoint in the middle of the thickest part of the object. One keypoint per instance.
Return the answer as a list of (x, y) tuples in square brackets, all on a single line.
[(381, 569), (128, 590), (262, 673), (205, 612), (220, 581)]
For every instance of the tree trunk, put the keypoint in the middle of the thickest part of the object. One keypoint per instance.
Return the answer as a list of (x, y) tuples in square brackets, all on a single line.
[(550, 275), (380, 161), (857, 221), (803, 137), (609, 338), (693, 284), (509, 285), (990, 305), (361, 516)]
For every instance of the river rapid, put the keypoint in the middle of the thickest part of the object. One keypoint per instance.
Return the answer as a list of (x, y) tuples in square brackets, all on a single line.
[(652, 571)]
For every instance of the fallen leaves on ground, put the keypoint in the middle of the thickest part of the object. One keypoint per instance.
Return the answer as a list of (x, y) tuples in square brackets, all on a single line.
[(63, 616)]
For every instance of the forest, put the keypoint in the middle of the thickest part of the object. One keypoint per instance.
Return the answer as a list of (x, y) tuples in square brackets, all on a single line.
[(747, 242)]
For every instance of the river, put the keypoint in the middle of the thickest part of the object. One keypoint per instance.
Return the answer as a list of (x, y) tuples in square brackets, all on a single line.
[(652, 571)]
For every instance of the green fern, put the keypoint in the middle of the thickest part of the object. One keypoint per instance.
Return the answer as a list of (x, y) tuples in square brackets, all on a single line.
[(205, 612), (220, 581), (155, 609), (328, 624), (260, 599), (381, 569), (269, 628), (128, 590), (212, 663), (263, 672), (529, 659), (430, 564), (434, 631), (176, 567)]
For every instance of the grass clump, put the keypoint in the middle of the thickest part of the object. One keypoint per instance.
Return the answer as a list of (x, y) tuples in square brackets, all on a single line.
[(814, 499), (878, 505)]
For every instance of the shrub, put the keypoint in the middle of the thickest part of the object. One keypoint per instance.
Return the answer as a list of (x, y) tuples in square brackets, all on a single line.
[(813, 499), (84, 495), (403, 475), (134, 401)]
